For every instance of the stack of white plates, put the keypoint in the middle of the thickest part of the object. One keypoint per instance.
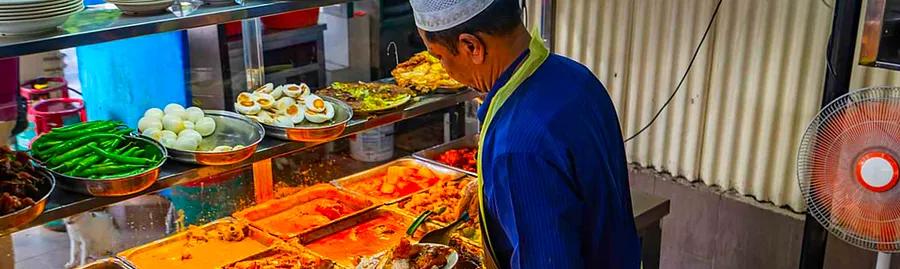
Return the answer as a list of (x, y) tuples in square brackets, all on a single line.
[(35, 16), (142, 7)]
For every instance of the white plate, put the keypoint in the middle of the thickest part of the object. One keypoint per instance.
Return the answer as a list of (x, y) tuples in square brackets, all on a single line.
[(67, 11), (34, 26), (41, 11), (4, 5), (20, 2), (140, 9), (39, 8)]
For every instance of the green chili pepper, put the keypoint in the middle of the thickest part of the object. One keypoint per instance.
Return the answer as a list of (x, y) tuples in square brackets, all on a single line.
[(120, 158), (87, 162), (71, 144), (130, 152), (80, 151), (78, 126), (418, 222), (123, 131), (110, 170), (98, 129)]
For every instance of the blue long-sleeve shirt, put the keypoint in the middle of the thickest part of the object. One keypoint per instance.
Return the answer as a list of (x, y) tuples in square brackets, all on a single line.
[(555, 179)]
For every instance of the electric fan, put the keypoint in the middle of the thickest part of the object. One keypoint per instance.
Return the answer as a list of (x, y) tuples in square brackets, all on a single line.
[(848, 169)]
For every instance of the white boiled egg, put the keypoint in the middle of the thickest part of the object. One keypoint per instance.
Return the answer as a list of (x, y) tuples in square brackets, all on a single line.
[(172, 123), (284, 102), (296, 91), (323, 116), (284, 121), (264, 100), (192, 134), (149, 122), (247, 107), (188, 125), (154, 133), (314, 103), (265, 88), (237, 147), (295, 112), (193, 114), (205, 126), (168, 142), (245, 97), (186, 143), (277, 92), (174, 109), (264, 117), (154, 113), (222, 149), (164, 134)]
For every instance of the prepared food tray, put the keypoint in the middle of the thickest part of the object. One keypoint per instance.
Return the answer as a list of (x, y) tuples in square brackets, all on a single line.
[(297, 213), (209, 246), (443, 198), (362, 235), (107, 263), (465, 163), (396, 180), (286, 255)]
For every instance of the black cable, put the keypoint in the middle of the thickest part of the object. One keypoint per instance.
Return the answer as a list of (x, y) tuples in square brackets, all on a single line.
[(683, 77)]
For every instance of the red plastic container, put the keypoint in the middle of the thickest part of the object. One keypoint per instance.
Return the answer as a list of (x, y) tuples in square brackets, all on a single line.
[(52, 113), (44, 88), (292, 20)]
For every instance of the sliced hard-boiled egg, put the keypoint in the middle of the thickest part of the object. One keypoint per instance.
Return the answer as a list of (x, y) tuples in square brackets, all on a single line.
[(284, 103), (314, 103), (154, 113), (247, 107), (277, 92), (296, 91), (193, 114), (284, 121), (264, 100), (222, 149), (149, 123), (265, 88), (295, 112), (245, 97), (264, 117), (323, 116)]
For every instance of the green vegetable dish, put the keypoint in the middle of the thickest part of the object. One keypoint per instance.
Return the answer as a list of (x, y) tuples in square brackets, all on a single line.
[(95, 150), (369, 97)]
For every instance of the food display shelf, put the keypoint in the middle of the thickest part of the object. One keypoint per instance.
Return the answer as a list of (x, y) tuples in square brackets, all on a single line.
[(62, 204), (102, 23)]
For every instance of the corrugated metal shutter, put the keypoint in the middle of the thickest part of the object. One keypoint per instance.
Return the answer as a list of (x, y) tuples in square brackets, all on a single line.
[(755, 85)]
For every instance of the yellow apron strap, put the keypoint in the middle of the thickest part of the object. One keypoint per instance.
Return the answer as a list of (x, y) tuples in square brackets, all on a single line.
[(536, 56)]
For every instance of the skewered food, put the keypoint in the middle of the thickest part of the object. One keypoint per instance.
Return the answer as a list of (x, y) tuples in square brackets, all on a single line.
[(368, 97), (18, 181), (397, 181), (424, 73), (462, 158)]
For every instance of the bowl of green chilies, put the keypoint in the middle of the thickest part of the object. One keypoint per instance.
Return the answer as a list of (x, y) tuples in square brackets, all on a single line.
[(100, 158)]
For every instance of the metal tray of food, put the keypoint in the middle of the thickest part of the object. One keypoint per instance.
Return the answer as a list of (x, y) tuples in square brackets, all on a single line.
[(450, 206), (170, 252), (298, 255), (9, 222), (440, 171), (117, 186), (107, 263), (431, 154), (316, 132), (347, 252), (269, 209), (231, 129), (470, 252)]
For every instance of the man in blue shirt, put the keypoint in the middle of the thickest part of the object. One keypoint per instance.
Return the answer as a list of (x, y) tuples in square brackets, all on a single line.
[(554, 184)]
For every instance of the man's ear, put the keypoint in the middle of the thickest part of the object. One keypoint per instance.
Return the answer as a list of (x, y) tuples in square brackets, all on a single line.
[(473, 47)]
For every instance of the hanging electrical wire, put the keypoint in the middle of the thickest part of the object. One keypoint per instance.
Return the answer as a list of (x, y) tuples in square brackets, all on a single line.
[(683, 77)]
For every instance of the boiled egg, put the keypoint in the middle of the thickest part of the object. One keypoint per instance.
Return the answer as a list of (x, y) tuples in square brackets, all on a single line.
[(265, 88), (154, 113), (174, 109), (284, 121), (296, 91), (277, 92), (192, 134), (193, 114), (284, 103), (166, 134), (186, 143), (154, 133), (295, 112), (222, 149), (315, 103), (321, 117), (237, 147), (249, 107), (172, 123), (264, 100), (205, 126), (264, 117), (245, 97), (150, 122)]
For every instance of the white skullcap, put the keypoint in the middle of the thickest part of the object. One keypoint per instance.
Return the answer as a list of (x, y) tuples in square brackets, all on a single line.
[(439, 15)]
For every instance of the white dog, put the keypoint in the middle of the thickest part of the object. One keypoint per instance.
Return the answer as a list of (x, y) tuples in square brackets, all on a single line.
[(92, 235)]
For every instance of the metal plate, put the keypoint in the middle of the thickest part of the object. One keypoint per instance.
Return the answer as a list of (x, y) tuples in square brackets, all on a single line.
[(9, 222), (273, 207), (108, 263), (430, 155), (231, 129), (255, 234), (312, 132), (364, 175)]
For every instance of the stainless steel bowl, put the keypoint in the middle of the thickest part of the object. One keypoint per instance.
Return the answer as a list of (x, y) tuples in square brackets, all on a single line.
[(115, 186), (9, 222), (313, 132), (231, 129)]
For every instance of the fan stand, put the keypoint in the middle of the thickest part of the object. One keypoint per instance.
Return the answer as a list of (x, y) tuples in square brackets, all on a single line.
[(878, 171)]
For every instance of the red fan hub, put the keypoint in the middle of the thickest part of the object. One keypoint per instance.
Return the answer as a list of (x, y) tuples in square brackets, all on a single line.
[(877, 171)]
